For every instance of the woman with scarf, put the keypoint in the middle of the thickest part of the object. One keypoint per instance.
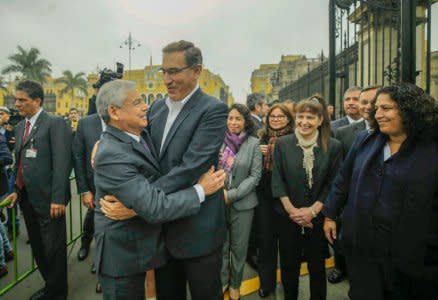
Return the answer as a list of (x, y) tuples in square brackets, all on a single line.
[(279, 122), (241, 159), (304, 166)]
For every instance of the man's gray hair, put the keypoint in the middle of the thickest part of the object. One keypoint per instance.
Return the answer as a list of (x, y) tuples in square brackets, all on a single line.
[(254, 99), (112, 93), (353, 89)]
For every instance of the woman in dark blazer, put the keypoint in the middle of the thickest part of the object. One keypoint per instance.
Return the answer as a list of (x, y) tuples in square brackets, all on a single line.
[(303, 168), (242, 161), (387, 191), (279, 122)]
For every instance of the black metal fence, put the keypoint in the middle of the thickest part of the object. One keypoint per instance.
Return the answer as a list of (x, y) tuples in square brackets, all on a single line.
[(371, 42)]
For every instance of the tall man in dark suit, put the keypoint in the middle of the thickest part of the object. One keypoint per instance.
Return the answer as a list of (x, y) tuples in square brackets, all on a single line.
[(43, 156), (351, 109), (188, 129), (125, 164), (258, 106), (346, 135)]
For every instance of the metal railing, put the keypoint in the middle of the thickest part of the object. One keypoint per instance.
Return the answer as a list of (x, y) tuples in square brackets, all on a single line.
[(71, 239)]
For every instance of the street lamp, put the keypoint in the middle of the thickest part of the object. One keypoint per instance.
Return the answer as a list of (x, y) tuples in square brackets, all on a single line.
[(131, 44)]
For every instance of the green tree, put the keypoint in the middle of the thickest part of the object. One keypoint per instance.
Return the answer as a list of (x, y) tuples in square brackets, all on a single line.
[(71, 83), (29, 64), (3, 85)]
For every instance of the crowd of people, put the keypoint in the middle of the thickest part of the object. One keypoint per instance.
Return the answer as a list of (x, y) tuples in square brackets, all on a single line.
[(185, 191)]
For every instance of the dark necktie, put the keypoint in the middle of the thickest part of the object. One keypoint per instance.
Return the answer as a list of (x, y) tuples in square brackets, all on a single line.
[(143, 143), (20, 179)]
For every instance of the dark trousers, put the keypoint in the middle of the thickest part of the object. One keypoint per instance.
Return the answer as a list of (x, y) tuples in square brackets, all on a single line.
[(371, 279), (203, 275), (48, 240), (340, 263), (267, 239), (292, 244), (88, 227), (123, 288)]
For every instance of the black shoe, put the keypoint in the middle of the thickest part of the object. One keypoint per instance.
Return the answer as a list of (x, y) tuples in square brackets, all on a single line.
[(98, 288), (93, 269), (336, 276), (264, 293), (38, 295), (82, 253)]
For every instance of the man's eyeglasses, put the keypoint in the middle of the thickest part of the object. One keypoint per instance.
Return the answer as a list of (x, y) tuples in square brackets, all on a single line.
[(172, 71)]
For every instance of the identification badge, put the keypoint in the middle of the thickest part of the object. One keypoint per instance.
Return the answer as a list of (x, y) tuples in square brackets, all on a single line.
[(31, 153)]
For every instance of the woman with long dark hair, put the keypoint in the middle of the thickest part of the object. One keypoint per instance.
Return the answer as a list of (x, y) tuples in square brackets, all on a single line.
[(304, 166), (279, 122), (241, 160)]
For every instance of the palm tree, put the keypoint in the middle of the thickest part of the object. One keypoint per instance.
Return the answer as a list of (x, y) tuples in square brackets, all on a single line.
[(71, 83), (3, 85), (29, 65)]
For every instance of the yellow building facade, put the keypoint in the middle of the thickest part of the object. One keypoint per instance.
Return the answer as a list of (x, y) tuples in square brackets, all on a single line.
[(149, 84), (261, 78)]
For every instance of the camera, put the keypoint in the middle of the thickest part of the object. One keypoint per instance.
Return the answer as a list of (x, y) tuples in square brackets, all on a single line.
[(15, 117), (107, 75)]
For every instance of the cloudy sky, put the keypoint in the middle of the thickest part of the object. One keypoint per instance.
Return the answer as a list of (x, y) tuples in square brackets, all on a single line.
[(236, 36)]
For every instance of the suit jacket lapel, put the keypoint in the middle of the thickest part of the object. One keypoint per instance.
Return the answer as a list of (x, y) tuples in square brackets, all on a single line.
[(158, 124), (151, 154), (179, 119), (135, 145), (35, 127)]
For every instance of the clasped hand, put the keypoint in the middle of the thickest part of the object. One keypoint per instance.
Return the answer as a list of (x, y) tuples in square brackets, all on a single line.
[(302, 216)]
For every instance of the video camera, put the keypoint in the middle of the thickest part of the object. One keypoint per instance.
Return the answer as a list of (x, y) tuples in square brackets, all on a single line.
[(15, 117), (107, 75)]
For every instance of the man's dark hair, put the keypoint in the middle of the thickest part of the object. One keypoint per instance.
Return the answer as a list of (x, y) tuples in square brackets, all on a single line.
[(370, 87), (73, 109), (255, 99), (244, 111), (192, 54), (32, 88)]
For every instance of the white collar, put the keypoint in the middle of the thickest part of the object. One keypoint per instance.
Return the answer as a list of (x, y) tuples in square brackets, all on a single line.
[(257, 117), (352, 121), (135, 137), (34, 118)]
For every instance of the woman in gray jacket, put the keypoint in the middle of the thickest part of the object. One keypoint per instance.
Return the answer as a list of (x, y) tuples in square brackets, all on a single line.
[(242, 161)]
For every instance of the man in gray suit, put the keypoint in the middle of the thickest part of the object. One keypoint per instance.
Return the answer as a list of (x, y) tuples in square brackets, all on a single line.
[(346, 135), (125, 164), (43, 164), (351, 109)]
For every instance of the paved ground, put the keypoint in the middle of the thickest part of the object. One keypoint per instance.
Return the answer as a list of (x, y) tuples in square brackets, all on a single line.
[(82, 281)]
